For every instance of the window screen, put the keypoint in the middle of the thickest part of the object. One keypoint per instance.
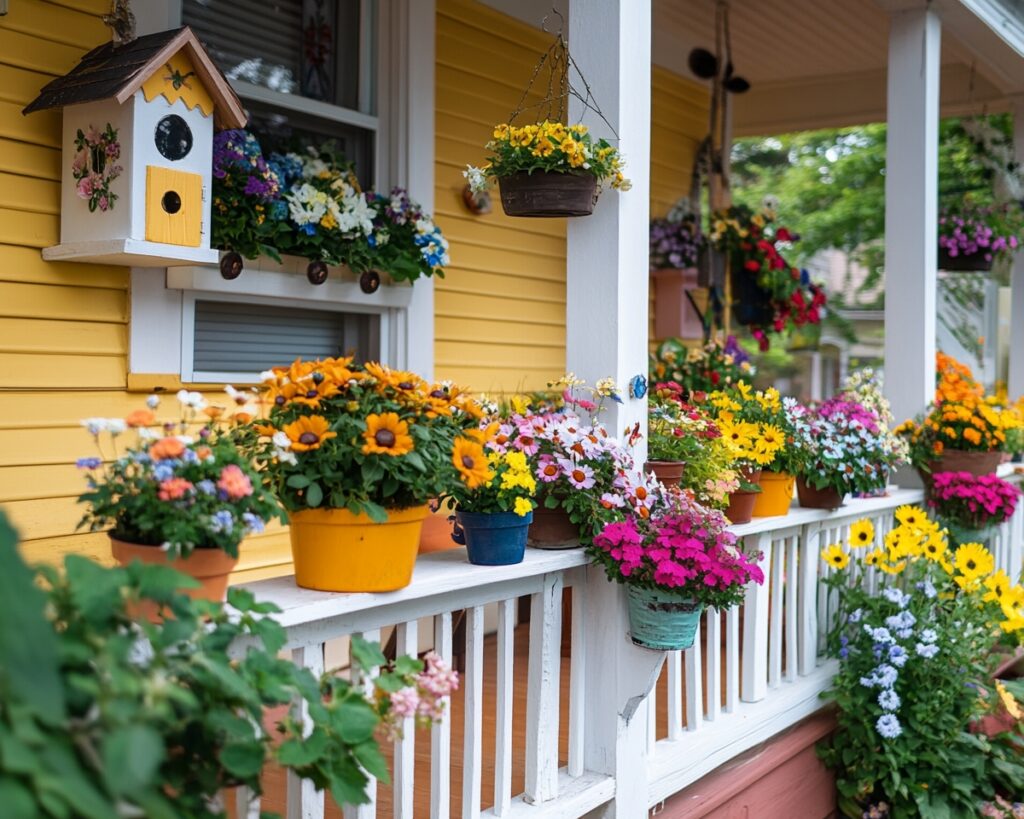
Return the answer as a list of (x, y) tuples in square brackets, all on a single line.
[(250, 338)]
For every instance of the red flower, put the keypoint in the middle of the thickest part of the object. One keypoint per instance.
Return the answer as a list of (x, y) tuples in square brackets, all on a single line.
[(783, 235), (752, 265)]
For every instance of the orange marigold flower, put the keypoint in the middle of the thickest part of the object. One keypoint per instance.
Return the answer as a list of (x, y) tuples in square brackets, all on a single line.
[(308, 433), (471, 462), (140, 418), (387, 434), (243, 418), (972, 435), (213, 411), (166, 448), (203, 452), (310, 392)]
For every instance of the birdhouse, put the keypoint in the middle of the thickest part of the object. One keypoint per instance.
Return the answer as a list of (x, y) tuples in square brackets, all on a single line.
[(137, 151)]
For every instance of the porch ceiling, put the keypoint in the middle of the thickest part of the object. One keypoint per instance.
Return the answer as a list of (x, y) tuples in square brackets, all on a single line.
[(822, 63)]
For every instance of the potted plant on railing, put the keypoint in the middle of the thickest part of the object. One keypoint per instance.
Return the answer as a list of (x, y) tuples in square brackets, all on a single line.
[(548, 169), (761, 426), (700, 369), (904, 717), (674, 246), (864, 388), (173, 497), (972, 506), (673, 565), (113, 717), (962, 431), (494, 509), (354, 453), (840, 450), (974, 238)]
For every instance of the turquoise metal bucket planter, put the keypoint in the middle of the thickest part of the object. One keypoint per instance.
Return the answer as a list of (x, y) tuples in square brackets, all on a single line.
[(661, 620), (492, 538)]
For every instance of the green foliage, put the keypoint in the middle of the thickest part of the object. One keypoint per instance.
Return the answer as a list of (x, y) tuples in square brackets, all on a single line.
[(104, 716)]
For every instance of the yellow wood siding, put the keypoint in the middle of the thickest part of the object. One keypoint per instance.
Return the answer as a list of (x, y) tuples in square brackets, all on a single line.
[(500, 313)]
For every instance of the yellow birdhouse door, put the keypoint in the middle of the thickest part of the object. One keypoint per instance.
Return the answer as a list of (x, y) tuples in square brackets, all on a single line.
[(174, 206)]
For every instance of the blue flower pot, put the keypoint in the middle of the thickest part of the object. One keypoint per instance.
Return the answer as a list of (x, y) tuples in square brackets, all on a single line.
[(662, 620), (492, 538)]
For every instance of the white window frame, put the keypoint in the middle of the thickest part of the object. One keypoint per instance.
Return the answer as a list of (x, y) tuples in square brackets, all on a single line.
[(162, 321)]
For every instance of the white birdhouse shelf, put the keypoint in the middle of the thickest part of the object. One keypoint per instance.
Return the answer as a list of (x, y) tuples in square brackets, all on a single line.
[(137, 151)]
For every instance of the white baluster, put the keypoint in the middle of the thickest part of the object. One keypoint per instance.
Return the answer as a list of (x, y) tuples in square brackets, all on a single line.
[(694, 685), (304, 801), (776, 589), (247, 804), (403, 789), (652, 717), (577, 678), (543, 692), (674, 663), (792, 585), (506, 686), (807, 611), (714, 676), (755, 629), (441, 731), (364, 679), (732, 659), (472, 732)]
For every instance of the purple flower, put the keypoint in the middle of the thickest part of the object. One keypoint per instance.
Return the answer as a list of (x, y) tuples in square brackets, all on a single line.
[(88, 463)]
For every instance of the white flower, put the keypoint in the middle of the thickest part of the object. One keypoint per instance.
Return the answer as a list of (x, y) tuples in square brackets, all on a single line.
[(147, 434), (476, 178), (267, 375), (95, 425), (153, 402), (193, 400), (286, 456), (115, 426), (281, 440)]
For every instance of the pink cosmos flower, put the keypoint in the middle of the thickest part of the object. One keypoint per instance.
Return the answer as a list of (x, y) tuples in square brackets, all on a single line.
[(580, 476)]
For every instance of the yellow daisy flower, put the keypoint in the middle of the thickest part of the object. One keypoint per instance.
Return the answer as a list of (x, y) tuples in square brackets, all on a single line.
[(862, 534), (911, 515), (835, 556), (974, 561)]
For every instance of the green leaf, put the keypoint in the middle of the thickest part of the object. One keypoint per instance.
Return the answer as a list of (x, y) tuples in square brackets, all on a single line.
[(96, 591), (298, 753), (28, 646), (241, 599), (376, 512), (368, 655), (17, 801), (298, 481), (131, 757), (348, 783), (355, 720), (314, 495), (373, 762), (244, 760)]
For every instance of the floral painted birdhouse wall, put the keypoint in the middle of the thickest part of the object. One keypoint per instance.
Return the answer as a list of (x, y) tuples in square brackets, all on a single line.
[(137, 152)]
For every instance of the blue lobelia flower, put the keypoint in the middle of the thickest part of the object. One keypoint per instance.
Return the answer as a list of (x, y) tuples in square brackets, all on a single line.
[(888, 726), (889, 700)]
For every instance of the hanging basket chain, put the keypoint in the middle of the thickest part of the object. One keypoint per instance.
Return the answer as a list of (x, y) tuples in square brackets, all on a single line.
[(560, 64)]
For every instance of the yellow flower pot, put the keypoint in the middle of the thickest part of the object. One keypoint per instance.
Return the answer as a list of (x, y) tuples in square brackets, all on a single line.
[(776, 494), (335, 550)]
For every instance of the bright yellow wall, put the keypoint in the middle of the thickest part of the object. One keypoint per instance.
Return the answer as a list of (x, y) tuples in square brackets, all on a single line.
[(63, 327), (500, 310)]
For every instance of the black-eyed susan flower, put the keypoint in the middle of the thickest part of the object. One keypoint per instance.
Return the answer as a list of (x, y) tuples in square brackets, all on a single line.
[(470, 460), (308, 433), (835, 556), (874, 557), (973, 561), (911, 515), (387, 434), (862, 534), (998, 585)]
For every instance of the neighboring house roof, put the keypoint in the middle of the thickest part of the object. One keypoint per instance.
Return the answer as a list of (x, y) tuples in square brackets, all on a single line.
[(117, 71)]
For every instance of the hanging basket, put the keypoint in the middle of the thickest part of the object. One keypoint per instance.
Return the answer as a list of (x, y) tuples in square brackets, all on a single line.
[(548, 194), (751, 303), (973, 263)]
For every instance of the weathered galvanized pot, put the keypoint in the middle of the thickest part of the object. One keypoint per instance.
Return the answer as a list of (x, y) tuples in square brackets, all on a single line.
[(661, 620)]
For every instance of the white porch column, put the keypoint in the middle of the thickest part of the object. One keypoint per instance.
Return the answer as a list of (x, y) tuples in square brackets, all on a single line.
[(911, 190), (1016, 370), (607, 326)]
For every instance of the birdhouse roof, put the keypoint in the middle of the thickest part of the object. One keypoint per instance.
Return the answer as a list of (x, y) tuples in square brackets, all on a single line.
[(117, 71)]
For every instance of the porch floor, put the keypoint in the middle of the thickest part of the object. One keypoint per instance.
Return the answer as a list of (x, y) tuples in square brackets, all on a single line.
[(274, 778)]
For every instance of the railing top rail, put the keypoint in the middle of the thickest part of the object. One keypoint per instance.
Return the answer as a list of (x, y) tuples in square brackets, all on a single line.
[(436, 574), (851, 510)]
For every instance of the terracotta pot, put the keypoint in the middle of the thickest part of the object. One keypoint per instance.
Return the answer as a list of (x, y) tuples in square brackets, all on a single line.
[(812, 498), (975, 262), (674, 315), (548, 194), (959, 460), (552, 529), (335, 550), (776, 495), (741, 506), (211, 567), (669, 473), (751, 474)]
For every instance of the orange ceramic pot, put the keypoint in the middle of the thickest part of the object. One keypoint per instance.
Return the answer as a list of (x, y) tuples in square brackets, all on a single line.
[(669, 473), (776, 494), (335, 550)]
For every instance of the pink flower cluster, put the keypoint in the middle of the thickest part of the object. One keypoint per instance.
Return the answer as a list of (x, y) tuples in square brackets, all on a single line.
[(234, 483), (687, 549), (425, 697), (972, 500)]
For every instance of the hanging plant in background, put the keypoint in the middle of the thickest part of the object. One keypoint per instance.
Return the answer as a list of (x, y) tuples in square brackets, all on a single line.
[(311, 205), (768, 294), (550, 168)]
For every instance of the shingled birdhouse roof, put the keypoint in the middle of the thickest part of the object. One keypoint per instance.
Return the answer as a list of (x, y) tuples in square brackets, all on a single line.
[(117, 71)]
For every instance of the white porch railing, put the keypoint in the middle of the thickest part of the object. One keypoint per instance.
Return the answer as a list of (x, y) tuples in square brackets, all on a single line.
[(753, 672)]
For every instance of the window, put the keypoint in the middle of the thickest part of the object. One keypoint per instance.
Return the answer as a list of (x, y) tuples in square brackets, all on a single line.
[(304, 68), (232, 341)]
